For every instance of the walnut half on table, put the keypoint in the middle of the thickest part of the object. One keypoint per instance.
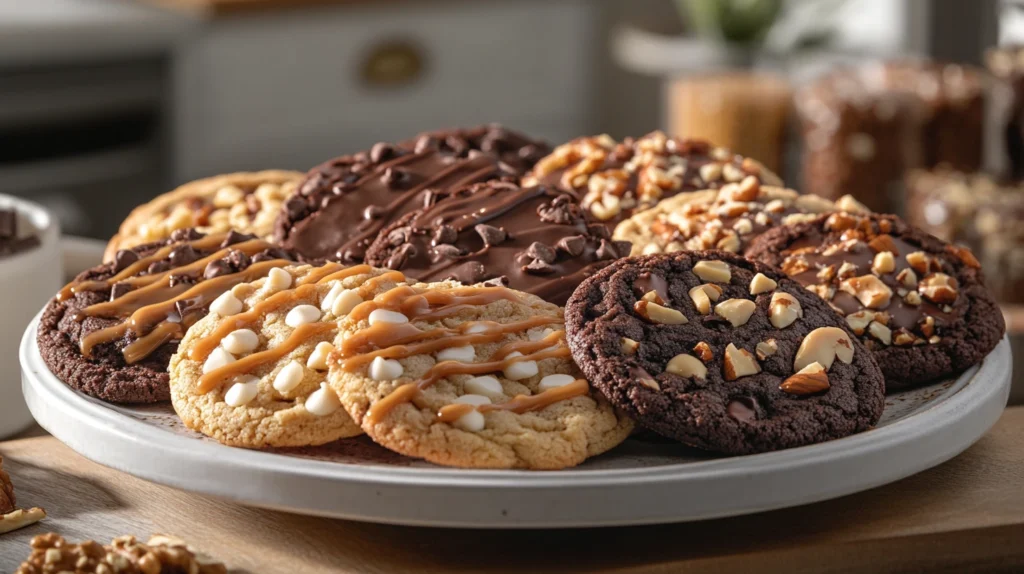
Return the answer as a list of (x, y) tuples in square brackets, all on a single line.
[(12, 518), (51, 554)]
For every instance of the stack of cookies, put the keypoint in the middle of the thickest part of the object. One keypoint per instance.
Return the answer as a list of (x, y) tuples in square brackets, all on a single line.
[(475, 298)]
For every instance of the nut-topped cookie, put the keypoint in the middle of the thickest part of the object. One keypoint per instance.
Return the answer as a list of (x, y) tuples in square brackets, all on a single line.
[(537, 238), (344, 203), (111, 332), (614, 179), (727, 219), (253, 372), (471, 376), (918, 303), (722, 353), (247, 202)]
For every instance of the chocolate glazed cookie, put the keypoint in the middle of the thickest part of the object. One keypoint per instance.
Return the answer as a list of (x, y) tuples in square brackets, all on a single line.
[(721, 353), (536, 238), (111, 332), (344, 203), (920, 304)]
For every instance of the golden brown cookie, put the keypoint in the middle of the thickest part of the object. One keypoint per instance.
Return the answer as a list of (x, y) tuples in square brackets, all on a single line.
[(726, 219), (252, 373), (476, 377), (247, 202)]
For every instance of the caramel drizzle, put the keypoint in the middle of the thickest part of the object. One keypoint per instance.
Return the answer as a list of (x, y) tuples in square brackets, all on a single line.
[(246, 364), (305, 287), (428, 305), (519, 404), (143, 346)]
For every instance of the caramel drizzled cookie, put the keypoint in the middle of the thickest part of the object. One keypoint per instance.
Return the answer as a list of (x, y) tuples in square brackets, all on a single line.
[(722, 353), (252, 373), (535, 238), (475, 376), (613, 180), (52, 554), (247, 202), (344, 203), (920, 304), (111, 332), (726, 219)]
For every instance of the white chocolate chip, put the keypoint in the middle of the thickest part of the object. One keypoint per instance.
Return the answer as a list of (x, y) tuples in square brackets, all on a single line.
[(521, 369), (736, 311), (386, 316), (323, 401), (485, 385), (784, 310), (479, 327), (472, 399), (714, 271), (242, 392), (217, 359), (289, 377), (473, 421), (278, 279), (823, 345), (382, 369), (328, 301), (687, 366), (554, 381), (226, 304), (301, 315), (240, 341), (462, 354), (345, 302), (761, 283), (318, 358)]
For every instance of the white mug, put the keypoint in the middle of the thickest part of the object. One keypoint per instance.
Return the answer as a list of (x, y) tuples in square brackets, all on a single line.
[(27, 281)]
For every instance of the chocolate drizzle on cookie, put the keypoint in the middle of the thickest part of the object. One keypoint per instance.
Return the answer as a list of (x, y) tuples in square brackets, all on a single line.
[(343, 204), (534, 237)]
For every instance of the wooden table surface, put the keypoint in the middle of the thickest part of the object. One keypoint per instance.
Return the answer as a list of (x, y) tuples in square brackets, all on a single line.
[(965, 515)]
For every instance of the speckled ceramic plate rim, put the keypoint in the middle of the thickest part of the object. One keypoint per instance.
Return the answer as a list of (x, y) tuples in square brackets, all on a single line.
[(520, 499)]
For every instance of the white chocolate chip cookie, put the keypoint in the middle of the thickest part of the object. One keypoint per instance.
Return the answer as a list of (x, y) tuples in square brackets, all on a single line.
[(252, 373), (247, 202), (476, 377)]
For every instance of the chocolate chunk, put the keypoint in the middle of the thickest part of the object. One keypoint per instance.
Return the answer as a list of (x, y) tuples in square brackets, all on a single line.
[(216, 269), (158, 267), (445, 234), (622, 247), (606, 250), (381, 151), (742, 409), (540, 267), (600, 230), (123, 258), (401, 256), (398, 237), (443, 251), (572, 246), (541, 252), (119, 289), (181, 279), (647, 282), (424, 143), (233, 237), (296, 208), (238, 260), (182, 255), (490, 234), (394, 177), (188, 234)]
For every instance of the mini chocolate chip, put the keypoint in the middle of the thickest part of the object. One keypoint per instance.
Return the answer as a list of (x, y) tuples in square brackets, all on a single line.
[(539, 267), (573, 246), (296, 208), (272, 253), (401, 256), (623, 248), (234, 237), (182, 255), (238, 260), (445, 251), (606, 250), (398, 236), (381, 151), (424, 143), (123, 258), (181, 279), (158, 267), (118, 289), (394, 177), (444, 234), (373, 212), (599, 230), (216, 269), (188, 234), (456, 145), (470, 272), (545, 253), (530, 153), (475, 153), (490, 234)]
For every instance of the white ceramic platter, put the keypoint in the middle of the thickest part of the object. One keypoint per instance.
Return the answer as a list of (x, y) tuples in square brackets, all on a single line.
[(640, 482)]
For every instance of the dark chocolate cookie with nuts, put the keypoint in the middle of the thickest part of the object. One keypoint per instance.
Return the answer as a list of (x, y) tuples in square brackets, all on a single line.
[(111, 332), (722, 353), (344, 203), (919, 303), (613, 180), (536, 238)]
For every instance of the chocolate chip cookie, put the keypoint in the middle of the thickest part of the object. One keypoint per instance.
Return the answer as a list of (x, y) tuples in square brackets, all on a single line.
[(514, 149), (722, 353), (613, 180), (111, 332), (344, 203), (246, 202), (536, 238), (727, 218), (919, 303), (470, 376)]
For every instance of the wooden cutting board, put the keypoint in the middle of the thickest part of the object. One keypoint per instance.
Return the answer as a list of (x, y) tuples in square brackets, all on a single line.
[(964, 515)]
